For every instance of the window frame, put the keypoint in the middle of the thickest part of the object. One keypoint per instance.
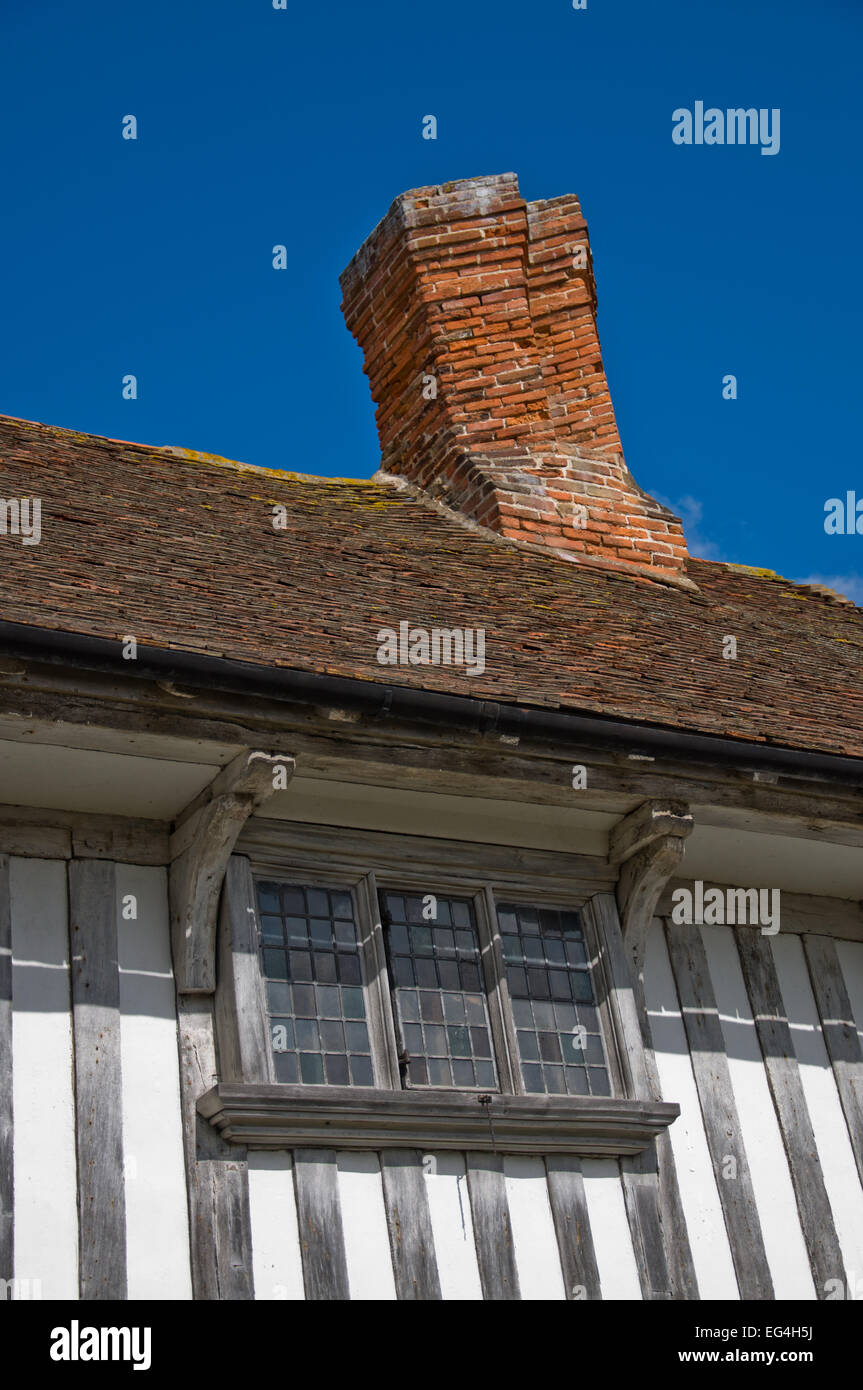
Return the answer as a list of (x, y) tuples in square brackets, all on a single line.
[(379, 1019), (600, 975), (484, 892), (394, 882), (246, 1108)]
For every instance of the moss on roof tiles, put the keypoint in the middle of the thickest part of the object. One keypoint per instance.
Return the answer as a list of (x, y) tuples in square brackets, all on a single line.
[(357, 556)]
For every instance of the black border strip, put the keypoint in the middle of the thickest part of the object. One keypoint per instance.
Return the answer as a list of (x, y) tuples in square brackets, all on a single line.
[(395, 701)]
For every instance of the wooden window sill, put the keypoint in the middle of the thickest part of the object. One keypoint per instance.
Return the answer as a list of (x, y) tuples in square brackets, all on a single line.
[(270, 1116)]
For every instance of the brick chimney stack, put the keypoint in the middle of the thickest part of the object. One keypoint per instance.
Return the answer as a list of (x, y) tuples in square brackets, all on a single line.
[(476, 313)]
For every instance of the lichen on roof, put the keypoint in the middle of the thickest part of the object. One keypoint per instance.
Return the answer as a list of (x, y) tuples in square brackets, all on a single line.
[(124, 549)]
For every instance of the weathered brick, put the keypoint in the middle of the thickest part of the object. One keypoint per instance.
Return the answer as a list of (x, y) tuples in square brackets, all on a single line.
[(468, 282)]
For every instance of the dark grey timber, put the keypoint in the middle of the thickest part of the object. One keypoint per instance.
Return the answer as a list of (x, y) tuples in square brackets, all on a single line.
[(678, 1251), (98, 1079), (716, 1099), (7, 1229), (243, 1032), (491, 1227), (217, 1174), (322, 1242), (642, 1196), (572, 1227), (409, 1225), (789, 1102), (682, 1282), (840, 1034)]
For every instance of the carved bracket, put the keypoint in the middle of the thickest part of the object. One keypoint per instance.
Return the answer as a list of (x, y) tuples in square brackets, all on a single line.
[(200, 848), (649, 845)]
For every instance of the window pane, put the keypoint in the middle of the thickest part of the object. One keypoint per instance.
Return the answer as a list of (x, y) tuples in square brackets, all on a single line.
[(436, 979), (287, 1067), (311, 965), (553, 1003)]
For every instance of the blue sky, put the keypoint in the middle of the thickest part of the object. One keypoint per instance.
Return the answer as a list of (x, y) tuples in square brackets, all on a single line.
[(259, 126)]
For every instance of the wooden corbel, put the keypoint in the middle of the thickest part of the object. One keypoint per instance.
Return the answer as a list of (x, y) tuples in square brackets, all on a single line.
[(200, 847), (648, 844)]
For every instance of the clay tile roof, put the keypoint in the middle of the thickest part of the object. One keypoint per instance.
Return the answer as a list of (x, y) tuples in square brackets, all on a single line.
[(179, 550)]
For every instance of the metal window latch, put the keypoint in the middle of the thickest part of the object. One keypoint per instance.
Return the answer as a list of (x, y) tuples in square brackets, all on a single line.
[(485, 1102)]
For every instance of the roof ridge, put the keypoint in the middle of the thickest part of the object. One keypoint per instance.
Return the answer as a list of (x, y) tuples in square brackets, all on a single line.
[(759, 572), (187, 455)]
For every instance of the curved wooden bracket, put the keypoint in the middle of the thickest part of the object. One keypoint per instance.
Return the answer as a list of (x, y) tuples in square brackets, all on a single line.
[(201, 846), (649, 845)]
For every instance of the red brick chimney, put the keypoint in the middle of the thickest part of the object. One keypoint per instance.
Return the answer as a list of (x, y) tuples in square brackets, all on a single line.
[(476, 313)]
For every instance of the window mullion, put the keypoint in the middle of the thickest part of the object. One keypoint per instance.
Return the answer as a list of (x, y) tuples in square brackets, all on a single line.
[(500, 1012), (623, 1032), (382, 1032)]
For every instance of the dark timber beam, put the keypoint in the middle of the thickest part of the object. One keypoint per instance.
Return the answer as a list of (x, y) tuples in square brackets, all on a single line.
[(806, 800), (217, 1174), (200, 848), (197, 672), (98, 1079)]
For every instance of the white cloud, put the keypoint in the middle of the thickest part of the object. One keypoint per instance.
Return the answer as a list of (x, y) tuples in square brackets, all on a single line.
[(851, 585), (690, 511)]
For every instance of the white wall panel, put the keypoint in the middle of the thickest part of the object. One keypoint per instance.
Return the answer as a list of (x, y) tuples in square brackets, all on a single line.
[(452, 1227), (771, 1181), (364, 1221), (46, 1193), (536, 1251), (276, 1261), (157, 1220), (618, 1272)]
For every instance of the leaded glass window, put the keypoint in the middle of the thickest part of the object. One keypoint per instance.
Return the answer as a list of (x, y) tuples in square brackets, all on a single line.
[(553, 1002), (437, 986), (315, 998), (437, 992)]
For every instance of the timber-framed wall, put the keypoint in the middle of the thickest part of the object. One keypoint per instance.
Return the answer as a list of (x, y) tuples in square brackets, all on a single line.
[(756, 1040)]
